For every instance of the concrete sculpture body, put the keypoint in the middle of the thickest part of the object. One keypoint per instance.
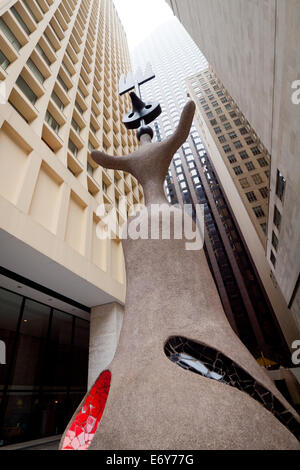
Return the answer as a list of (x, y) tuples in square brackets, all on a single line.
[(153, 403)]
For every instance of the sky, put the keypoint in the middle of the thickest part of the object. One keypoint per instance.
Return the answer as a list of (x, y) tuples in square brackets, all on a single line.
[(141, 17)]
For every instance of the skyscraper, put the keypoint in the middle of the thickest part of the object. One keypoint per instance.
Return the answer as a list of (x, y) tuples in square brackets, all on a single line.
[(244, 163), (60, 62), (192, 179), (253, 49)]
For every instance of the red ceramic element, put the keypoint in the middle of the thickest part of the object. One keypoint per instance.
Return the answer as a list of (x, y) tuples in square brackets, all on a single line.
[(85, 424)]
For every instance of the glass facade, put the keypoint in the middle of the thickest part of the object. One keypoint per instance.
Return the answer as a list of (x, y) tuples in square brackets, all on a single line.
[(45, 375)]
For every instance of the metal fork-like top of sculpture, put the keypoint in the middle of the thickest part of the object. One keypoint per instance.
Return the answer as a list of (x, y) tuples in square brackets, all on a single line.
[(149, 164), (142, 113)]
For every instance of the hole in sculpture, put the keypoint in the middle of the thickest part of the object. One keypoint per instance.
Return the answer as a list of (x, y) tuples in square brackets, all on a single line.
[(148, 106), (131, 115), (212, 364), (86, 422)]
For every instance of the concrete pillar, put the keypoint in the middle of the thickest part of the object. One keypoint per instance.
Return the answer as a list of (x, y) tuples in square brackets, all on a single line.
[(105, 327)]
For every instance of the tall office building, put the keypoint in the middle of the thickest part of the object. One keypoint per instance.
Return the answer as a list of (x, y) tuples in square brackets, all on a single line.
[(244, 163), (253, 48), (193, 179), (60, 62)]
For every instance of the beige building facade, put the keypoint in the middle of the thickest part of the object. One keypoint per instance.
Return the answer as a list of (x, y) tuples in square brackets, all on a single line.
[(60, 64), (253, 48), (243, 165)]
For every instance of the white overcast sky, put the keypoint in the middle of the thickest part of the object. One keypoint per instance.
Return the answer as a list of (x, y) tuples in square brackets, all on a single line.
[(141, 17)]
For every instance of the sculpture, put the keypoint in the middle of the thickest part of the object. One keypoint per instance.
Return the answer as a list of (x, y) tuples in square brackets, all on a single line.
[(175, 313)]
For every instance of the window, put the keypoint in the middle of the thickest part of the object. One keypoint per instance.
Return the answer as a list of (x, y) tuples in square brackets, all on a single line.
[(243, 130), (42, 53), (257, 179), (4, 62), (237, 170), (277, 218), (209, 115), (232, 135), (274, 241), (214, 103), (280, 185), (206, 107), (75, 126), (231, 159), (224, 100), (238, 144), (273, 259), (10, 35), (233, 114), (249, 140), (264, 192), (250, 166), (251, 196), (264, 228), (223, 118), (227, 126), (26, 89), (52, 122), (238, 122), (79, 107), (262, 162), (258, 212), (255, 150), (213, 122), (104, 187), (30, 11), (90, 169), (20, 20), (217, 130), (222, 139), (90, 146), (218, 110), (35, 71), (226, 148), (60, 80), (244, 183), (72, 147), (244, 155)]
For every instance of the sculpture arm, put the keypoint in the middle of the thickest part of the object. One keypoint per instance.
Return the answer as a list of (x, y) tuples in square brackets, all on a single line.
[(182, 132)]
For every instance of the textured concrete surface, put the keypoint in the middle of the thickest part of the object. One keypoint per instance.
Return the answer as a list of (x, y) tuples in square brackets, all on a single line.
[(105, 326), (153, 403)]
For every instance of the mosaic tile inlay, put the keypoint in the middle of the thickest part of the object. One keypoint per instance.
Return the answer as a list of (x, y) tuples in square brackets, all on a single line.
[(85, 424), (212, 364)]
